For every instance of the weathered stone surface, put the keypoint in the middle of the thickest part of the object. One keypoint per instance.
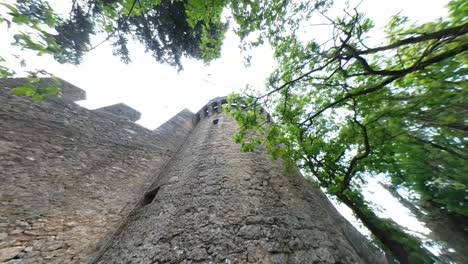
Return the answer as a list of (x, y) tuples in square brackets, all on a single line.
[(9, 253), (69, 176), (123, 110), (176, 128), (214, 204)]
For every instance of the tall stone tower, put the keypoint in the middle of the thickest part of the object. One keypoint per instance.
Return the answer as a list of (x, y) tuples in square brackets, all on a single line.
[(83, 186)]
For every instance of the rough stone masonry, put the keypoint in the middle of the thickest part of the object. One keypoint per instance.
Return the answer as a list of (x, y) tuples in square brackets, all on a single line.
[(84, 186)]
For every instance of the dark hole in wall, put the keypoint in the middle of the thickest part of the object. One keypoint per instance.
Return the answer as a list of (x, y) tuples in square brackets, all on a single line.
[(197, 118), (149, 197), (215, 122), (215, 107)]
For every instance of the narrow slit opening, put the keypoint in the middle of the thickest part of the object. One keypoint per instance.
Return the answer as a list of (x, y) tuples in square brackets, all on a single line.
[(149, 197), (215, 107)]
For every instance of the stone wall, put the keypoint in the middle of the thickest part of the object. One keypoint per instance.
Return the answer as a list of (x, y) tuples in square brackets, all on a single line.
[(70, 176), (214, 204), (177, 127), (121, 110)]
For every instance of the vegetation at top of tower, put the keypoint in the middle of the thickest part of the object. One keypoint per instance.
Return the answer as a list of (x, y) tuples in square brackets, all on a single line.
[(345, 108)]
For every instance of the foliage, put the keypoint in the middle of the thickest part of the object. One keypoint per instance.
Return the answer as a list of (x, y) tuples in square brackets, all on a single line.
[(4, 71), (394, 233), (168, 29), (348, 108), (34, 89)]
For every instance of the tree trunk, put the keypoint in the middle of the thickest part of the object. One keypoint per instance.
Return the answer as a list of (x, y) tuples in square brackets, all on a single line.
[(215, 204), (404, 253)]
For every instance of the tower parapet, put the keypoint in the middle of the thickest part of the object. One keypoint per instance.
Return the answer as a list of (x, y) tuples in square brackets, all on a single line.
[(72, 93), (214, 106)]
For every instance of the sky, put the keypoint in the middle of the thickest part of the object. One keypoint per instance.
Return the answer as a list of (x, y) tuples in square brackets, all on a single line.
[(159, 91)]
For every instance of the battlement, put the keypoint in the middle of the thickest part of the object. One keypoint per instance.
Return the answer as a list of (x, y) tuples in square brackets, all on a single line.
[(68, 90), (73, 93), (121, 109), (215, 106)]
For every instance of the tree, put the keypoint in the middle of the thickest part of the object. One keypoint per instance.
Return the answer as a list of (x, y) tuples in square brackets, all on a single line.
[(349, 109), (168, 29)]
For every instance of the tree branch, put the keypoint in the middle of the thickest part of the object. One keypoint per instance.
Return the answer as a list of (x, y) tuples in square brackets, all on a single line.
[(115, 30), (389, 80), (449, 32), (354, 161)]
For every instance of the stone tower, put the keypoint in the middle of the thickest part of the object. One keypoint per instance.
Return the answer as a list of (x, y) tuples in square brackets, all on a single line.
[(90, 186)]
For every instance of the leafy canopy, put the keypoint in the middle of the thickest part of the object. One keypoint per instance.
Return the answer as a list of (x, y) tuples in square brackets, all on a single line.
[(169, 30), (348, 108)]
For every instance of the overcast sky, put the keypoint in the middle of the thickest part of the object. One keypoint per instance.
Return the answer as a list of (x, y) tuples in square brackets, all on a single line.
[(159, 92)]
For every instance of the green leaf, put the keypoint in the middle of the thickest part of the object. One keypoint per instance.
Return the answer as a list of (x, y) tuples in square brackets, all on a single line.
[(27, 91)]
